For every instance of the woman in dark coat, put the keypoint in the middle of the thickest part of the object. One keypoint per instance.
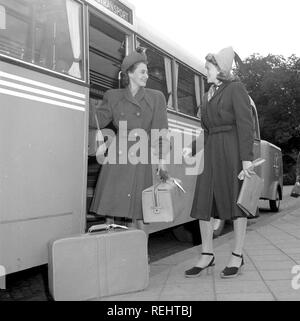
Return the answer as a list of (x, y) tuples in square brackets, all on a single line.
[(120, 184), (228, 155)]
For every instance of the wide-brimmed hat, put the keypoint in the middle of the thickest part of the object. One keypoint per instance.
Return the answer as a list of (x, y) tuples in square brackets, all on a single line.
[(224, 59), (132, 59)]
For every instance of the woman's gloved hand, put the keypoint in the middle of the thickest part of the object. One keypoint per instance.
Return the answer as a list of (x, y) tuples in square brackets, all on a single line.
[(162, 171), (187, 152), (247, 170)]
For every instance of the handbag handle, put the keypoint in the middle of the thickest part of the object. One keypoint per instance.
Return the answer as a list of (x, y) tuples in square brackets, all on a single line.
[(156, 207)]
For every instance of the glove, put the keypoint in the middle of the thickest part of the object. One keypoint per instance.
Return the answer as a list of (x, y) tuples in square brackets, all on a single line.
[(247, 170), (162, 171)]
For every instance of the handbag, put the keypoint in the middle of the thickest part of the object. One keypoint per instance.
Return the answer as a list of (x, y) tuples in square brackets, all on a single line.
[(163, 202), (296, 190), (250, 194)]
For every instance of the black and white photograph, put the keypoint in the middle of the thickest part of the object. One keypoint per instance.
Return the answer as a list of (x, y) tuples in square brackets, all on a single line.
[(149, 153)]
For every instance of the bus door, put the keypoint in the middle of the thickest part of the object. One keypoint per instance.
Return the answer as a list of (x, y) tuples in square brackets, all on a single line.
[(107, 48), (43, 125)]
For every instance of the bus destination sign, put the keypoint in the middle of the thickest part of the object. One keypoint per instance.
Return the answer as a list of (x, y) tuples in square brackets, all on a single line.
[(117, 8)]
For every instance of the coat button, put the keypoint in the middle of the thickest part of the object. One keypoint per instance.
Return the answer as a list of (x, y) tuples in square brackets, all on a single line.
[(129, 195), (138, 114)]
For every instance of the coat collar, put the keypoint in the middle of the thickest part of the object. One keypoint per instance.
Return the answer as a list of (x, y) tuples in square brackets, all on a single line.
[(219, 90), (222, 87), (141, 94), (138, 97)]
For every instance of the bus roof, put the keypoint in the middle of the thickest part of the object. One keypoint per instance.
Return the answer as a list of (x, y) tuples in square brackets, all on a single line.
[(166, 44)]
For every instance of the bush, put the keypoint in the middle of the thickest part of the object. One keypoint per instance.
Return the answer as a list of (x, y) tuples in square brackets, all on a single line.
[(290, 177)]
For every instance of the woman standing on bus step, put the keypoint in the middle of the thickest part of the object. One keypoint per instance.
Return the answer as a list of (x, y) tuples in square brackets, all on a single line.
[(119, 187), (228, 153)]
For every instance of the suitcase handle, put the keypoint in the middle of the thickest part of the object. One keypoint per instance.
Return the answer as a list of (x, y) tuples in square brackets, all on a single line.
[(105, 228), (156, 208)]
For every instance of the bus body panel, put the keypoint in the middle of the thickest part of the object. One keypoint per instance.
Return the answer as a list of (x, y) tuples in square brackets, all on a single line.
[(44, 139), (43, 163)]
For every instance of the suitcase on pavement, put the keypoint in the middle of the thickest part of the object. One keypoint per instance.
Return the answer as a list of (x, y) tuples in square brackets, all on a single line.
[(98, 264)]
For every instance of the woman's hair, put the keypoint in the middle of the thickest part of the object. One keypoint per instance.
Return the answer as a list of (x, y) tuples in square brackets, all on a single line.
[(125, 77), (222, 75)]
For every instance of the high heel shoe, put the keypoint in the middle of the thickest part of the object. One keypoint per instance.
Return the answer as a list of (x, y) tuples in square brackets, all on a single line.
[(232, 272), (196, 271)]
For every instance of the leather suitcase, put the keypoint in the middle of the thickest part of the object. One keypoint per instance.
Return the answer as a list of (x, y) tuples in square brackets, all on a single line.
[(92, 266), (163, 202)]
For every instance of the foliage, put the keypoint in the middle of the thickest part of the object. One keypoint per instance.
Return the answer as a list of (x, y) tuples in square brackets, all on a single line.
[(273, 82)]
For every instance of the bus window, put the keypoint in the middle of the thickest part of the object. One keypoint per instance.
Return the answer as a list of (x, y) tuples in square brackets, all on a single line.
[(106, 52), (2, 18), (44, 33), (187, 92), (206, 85), (160, 72), (199, 91), (198, 94)]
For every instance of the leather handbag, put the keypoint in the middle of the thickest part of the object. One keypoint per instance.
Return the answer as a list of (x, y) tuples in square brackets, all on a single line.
[(250, 194), (163, 202)]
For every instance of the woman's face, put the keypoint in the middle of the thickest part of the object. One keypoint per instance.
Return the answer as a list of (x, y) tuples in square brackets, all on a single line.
[(212, 72), (140, 75)]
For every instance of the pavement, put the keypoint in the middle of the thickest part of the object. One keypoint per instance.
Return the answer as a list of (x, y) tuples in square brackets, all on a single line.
[(271, 271)]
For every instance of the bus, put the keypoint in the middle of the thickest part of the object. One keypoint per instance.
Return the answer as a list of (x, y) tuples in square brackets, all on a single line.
[(57, 58)]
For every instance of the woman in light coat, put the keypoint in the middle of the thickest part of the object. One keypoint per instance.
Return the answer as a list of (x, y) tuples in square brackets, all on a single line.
[(120, 185)]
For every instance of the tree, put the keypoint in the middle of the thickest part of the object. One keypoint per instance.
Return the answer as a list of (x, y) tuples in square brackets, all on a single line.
[(274, 84)]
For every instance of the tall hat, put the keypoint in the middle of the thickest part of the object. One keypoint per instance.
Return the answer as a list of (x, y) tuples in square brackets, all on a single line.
[(133, 58)]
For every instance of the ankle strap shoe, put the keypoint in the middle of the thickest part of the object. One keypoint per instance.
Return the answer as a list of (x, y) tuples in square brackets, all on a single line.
[(233, 271), (195, 271)]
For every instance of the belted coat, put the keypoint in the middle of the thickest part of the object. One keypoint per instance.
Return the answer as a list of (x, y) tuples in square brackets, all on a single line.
[(119, 187), (228, 140)]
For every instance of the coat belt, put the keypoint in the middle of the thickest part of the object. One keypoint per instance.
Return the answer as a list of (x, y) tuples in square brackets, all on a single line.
[(220, 129)]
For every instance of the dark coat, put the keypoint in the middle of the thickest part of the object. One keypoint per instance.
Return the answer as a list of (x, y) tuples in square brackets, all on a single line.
[(119, 187), (228, 140)]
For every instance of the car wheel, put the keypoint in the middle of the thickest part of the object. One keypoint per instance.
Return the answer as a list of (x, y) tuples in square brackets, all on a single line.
[(218, 227), (275, 204)]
